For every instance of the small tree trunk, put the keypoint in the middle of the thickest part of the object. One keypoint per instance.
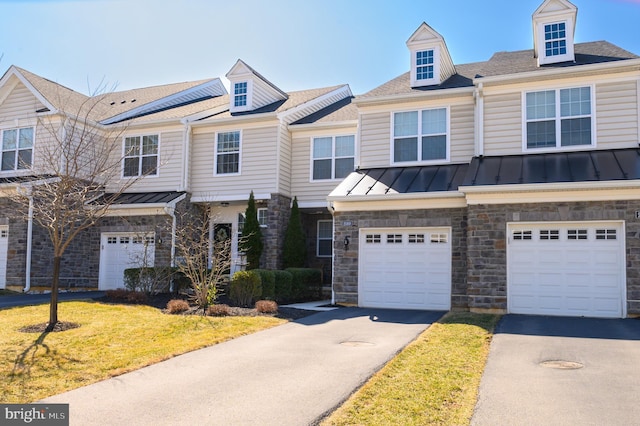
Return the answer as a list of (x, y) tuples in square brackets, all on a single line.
[(53, 307)]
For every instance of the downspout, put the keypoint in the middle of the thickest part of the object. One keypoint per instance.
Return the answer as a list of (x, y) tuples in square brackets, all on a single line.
[(186, 154), (170, 210), (479, 127), (27, 285), (333, 252)]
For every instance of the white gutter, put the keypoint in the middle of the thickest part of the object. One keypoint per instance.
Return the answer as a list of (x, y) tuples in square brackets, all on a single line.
[(27, 285), (623, 64), (399, 196), (554, 186)]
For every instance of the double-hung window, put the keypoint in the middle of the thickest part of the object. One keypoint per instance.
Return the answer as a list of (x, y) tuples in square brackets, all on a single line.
[(420, 135), (558, 118), (240, 94), (141, 156), (555, 39), (228, 153), (17, 148), (325, 238), (424, 65), (333, 157)]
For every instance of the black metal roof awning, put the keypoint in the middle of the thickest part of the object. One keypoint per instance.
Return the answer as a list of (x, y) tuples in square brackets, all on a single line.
[(557, 167), (402, 180), (142, 198)]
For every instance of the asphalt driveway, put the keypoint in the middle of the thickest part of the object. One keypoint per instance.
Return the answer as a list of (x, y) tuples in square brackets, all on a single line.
[(292, 374), (561, 371), (37, 299)]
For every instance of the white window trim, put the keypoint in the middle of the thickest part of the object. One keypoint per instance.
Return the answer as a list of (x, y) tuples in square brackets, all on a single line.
[(436, 67), (247, 107), (215, 155), (447, 158), (33, 149), (333, 157), (559, 147), (258, 210), (543, 59), (139, 175), (318, 239), (246, 93)]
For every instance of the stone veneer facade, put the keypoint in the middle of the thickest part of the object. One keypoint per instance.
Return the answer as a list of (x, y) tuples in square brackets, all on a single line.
[(487, 251), (345, 267), (479, 245), (278, 212)]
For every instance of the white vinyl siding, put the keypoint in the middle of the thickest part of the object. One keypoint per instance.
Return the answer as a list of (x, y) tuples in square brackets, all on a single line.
[(258, 160), (617, 115), (169, 175), (461, 133), (20, 104), (503, 124), (374, 140)]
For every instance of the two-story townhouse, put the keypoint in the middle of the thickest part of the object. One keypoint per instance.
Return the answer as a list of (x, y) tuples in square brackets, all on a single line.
[(181, 145), (509, 185), (252, 146), (32, 109)]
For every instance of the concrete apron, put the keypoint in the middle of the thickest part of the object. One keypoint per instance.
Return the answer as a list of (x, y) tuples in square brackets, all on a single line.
[(292, 374)]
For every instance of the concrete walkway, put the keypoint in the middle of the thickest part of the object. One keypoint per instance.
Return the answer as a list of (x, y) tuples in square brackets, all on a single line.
[(292, 374)]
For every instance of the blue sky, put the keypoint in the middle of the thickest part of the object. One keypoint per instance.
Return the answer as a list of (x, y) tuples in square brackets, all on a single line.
[(296, 44)]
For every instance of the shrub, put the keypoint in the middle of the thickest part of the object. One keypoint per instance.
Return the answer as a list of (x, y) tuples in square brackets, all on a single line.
[(122, 295), (245, 287), (306, 283), (176, 306), (282, 285), (218, 310), (295, 245), (147, 280), (266, 306), (251, 242), (268, 283)]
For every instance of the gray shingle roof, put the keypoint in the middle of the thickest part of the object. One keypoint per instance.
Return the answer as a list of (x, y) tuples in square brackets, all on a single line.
[(343, 110), (504, 63)]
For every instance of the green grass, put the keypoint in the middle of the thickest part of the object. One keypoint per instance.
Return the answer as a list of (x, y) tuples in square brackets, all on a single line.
[(111, 340), (433, 381)]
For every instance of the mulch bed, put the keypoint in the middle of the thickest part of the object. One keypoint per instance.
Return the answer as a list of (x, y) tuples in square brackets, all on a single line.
[(160, 301), (41, 328)]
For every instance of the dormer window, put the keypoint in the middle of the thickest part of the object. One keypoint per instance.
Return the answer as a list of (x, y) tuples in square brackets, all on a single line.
[(554, 24), (555, 39), (240, 94), (424, 65)]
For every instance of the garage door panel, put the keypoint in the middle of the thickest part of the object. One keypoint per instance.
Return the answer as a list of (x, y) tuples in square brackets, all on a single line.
[(577, 273), (402, 268)]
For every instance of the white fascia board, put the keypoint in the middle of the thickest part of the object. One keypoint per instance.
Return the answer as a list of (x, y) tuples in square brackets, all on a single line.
[(312, 204), (14, 72), (322, 125), (343, 91), (575, 71), (206, 113), (553, 193), (250, 118), (156, 209), (217, 88), (394, 203), (235, 197), (431, 94), (407, 196)]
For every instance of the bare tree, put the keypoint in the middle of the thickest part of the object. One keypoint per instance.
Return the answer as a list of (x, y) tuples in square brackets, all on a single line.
[(203, 258), (77, 170)]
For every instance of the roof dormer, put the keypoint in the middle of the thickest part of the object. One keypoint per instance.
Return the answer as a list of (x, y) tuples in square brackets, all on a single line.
[(554, 24), (249, 90), (431, 62)]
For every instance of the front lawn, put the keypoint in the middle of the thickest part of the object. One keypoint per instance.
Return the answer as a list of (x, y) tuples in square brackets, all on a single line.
[(433, 381), (111, 340)]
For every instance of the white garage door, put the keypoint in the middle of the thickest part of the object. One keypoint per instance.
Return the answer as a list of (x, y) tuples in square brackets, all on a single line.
[(4, 247), (120, 251), (405, 268), (566, 268)]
